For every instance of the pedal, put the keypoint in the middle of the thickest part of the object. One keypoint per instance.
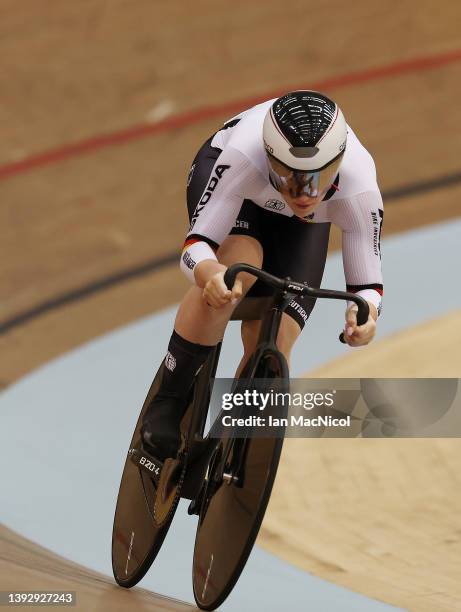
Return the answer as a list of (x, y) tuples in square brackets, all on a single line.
[(146, 462)]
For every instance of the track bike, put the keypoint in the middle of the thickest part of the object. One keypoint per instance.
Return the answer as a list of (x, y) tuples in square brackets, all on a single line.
[(227, 479)]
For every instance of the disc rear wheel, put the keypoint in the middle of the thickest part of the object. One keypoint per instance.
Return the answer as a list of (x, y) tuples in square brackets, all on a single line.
[(145, 507)]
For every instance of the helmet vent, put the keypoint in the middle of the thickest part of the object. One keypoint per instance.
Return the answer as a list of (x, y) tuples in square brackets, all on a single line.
[(303, 117)]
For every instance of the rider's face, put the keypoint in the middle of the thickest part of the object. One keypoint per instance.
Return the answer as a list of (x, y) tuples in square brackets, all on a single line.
[(303, 191), (302, 205)]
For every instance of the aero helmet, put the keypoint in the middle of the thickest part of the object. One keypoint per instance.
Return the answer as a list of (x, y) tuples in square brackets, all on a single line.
[(305, 137)]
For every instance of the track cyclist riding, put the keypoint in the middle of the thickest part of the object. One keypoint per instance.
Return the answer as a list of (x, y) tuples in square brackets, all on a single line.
[(263, 190)]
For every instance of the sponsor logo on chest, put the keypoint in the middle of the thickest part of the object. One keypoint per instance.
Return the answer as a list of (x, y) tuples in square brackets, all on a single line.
[(274, 205)]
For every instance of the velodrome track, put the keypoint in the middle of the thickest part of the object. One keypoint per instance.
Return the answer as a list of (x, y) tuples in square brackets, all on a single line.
[(67, 225), (366, 547)]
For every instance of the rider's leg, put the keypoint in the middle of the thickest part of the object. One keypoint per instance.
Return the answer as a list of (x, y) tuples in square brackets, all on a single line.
[(288, 334), (198, 328)]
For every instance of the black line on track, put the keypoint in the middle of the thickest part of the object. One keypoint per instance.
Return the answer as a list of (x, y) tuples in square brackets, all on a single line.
[(97, 286), (154, 265)]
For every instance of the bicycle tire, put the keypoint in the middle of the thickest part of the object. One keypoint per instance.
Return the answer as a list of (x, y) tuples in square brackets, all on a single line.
[(220, 553)]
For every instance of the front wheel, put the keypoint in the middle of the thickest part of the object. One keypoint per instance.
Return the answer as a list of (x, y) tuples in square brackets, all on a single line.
[(238, 488)]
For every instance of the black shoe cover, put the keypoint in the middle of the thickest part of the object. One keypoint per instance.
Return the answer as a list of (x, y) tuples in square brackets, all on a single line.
[(160, 431)]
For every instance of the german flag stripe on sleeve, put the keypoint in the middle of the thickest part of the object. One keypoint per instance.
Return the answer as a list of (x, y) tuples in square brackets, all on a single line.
[(193, 238), (355, 288)]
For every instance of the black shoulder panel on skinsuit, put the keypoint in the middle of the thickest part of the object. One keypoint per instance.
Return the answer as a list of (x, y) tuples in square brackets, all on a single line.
[(230, 124)]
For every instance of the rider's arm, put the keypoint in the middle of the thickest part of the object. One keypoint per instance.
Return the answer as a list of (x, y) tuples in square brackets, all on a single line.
[(360, 218), (215, 214)]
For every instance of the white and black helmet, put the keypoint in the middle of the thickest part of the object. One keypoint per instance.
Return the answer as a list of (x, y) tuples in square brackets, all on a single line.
[(305, 136)]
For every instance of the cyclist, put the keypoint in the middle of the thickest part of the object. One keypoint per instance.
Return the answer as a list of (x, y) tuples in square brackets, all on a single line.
[(263, 190)]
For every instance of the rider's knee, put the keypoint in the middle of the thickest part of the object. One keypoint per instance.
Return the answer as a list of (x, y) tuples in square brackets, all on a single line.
[(195, 310)]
